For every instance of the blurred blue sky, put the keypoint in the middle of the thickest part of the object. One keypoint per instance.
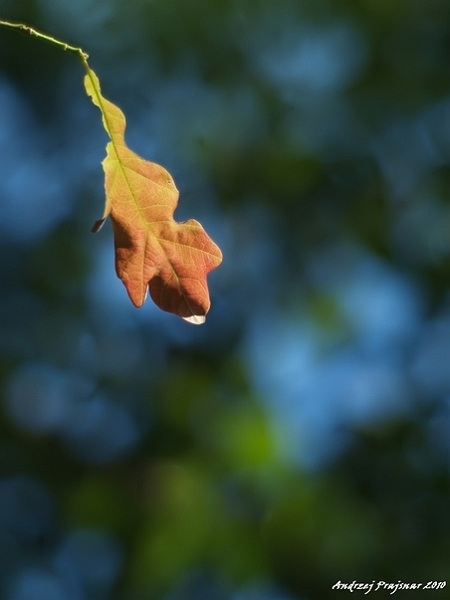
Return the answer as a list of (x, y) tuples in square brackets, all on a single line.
[(310, 138)]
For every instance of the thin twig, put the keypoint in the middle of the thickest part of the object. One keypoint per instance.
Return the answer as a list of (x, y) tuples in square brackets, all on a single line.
[(48, 38)]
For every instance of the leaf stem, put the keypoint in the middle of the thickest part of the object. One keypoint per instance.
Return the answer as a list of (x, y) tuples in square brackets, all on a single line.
[(48, 38)]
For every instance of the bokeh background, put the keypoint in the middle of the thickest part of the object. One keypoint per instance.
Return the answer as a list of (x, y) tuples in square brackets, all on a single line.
[(302, 435)]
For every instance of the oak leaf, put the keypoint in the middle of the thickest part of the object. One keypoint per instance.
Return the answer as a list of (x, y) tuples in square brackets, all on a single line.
[(153, 252)]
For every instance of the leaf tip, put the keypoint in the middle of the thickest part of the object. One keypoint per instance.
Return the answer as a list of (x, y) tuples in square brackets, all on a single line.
[(98, 225), (195, 319)]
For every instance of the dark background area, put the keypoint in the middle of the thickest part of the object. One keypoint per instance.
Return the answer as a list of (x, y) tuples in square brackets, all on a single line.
[(301, 436)]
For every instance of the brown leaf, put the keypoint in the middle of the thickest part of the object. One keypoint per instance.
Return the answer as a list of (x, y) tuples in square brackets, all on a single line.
[(153, 251)]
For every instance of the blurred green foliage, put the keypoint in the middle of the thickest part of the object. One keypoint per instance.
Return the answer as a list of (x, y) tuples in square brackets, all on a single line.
[(300, 437)]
